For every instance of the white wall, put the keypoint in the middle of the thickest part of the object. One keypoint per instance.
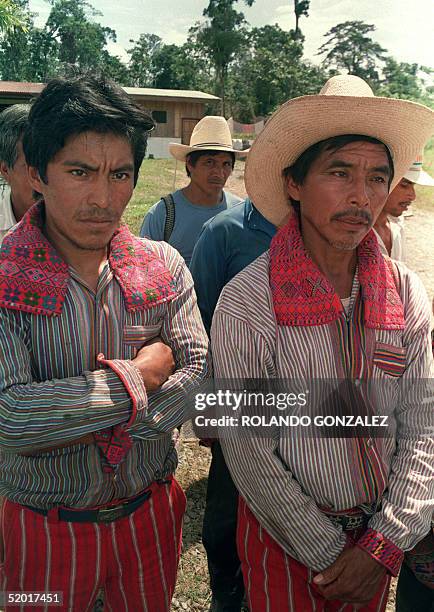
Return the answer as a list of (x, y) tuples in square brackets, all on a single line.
[(159, 147)]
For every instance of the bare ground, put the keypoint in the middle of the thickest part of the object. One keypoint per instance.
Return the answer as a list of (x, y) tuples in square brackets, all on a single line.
[(192, 592)]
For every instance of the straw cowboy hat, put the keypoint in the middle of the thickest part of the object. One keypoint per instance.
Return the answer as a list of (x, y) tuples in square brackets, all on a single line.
[(345, 105), (415, 174), (210, 134)]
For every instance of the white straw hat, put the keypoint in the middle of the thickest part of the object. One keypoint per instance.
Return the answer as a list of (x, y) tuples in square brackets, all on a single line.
[(209, 134), (415, 174), (345, 105)]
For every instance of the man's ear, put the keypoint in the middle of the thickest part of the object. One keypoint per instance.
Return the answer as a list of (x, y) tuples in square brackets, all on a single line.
[(34, 179), (292, 189), (4, 171)]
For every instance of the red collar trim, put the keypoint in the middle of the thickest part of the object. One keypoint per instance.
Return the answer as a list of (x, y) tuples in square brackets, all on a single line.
[(303, 296), (34, 278)]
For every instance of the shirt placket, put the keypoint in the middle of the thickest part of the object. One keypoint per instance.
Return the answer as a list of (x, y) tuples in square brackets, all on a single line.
[(353, 365)]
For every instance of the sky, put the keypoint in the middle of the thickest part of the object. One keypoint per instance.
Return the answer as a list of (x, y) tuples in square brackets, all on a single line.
[(405, 28)]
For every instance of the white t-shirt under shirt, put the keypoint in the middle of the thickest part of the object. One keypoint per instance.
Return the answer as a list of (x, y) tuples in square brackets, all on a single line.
[(189, 219), (7, 219), (398, 252)]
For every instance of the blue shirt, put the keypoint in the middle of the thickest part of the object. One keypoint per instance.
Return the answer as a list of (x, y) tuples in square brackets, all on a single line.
[(228, 243), (189, 219)]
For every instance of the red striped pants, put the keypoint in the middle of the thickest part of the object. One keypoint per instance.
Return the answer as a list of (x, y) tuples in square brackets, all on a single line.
[(134, 559), (275, 582)]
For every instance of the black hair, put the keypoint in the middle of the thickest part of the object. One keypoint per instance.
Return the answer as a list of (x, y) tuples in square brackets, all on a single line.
[(195, 155), (299, 169), (68, 107)]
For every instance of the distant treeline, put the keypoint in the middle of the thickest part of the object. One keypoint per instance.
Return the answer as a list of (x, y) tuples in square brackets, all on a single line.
[(252, 70)]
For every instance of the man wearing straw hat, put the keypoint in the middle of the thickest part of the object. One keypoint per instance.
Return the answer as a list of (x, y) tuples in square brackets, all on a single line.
[(389, 226), (209, 160), (324, 521)]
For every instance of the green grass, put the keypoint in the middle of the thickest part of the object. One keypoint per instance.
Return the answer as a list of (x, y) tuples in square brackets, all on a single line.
[(155, 180)]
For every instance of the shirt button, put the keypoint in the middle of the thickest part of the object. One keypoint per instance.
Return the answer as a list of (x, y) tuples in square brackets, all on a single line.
[(357, 382), (369, 443)]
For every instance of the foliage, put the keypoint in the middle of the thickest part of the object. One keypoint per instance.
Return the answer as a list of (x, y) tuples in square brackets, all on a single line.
[(174, 68), (70, 41), (141, 65), (270, 72), (350, 47), (11, 16), (221, 38), (253, 70), (407, 81)]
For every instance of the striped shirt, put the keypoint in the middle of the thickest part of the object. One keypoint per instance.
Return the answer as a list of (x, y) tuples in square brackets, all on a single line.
[(53, 390), (288, 479)]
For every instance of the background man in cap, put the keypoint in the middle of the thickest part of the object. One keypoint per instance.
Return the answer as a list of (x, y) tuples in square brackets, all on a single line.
[(328, 518), (209, 160), (16, 195), (100, 341), (389, 226)]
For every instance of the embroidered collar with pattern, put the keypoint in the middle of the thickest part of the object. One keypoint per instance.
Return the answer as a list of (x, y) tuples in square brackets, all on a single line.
[(34, 278), (303, 296)]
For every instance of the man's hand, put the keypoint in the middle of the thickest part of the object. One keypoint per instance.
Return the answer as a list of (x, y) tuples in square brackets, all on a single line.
[(155, 363), (354, 577)]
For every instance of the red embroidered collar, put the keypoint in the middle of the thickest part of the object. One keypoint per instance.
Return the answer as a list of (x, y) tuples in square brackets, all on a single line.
[(303, 296), (34, 278)]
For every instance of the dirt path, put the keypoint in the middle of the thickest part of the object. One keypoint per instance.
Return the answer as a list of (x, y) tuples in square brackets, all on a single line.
[(419, 231)]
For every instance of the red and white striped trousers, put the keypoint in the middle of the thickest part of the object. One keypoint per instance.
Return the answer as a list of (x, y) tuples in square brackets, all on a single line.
[(134, 559), (275, 582)]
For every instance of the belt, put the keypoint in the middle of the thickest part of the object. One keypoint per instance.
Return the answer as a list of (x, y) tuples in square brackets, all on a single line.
[(99, 515), (350, 522), (353, 518)]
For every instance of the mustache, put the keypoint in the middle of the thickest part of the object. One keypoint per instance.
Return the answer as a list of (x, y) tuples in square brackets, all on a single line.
[(96, 216), (363, 215)]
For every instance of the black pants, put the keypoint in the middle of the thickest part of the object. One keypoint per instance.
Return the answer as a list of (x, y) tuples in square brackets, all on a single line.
[(219, 533), (412, 595)]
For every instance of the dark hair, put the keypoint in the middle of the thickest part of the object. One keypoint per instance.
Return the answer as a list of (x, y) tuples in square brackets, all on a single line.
[(195, 155), (13, 122), (68, 107), (299, 169)]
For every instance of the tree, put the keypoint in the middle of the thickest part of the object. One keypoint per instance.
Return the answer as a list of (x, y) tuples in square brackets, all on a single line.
[(221, 37), (81, 40), (177, 68), (403, 80), (349, 47), (301, 8), (141, 69), (270, 71)]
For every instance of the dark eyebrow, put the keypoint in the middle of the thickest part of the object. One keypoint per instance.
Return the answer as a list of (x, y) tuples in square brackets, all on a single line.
[(124, 168), (339, 163), (79, 164), (84, 166)]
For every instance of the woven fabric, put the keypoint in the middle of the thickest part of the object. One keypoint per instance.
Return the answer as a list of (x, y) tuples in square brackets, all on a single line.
[(276, 581), (382, 550), (34, 278), (303, 296), (133, 559)]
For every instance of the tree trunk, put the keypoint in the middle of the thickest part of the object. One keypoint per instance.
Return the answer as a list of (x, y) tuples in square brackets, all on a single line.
[(297, 17)]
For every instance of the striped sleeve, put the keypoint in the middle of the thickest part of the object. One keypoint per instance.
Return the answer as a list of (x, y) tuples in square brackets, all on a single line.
[(407, 505), (183, 331), (290, 516), (36, 415)]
